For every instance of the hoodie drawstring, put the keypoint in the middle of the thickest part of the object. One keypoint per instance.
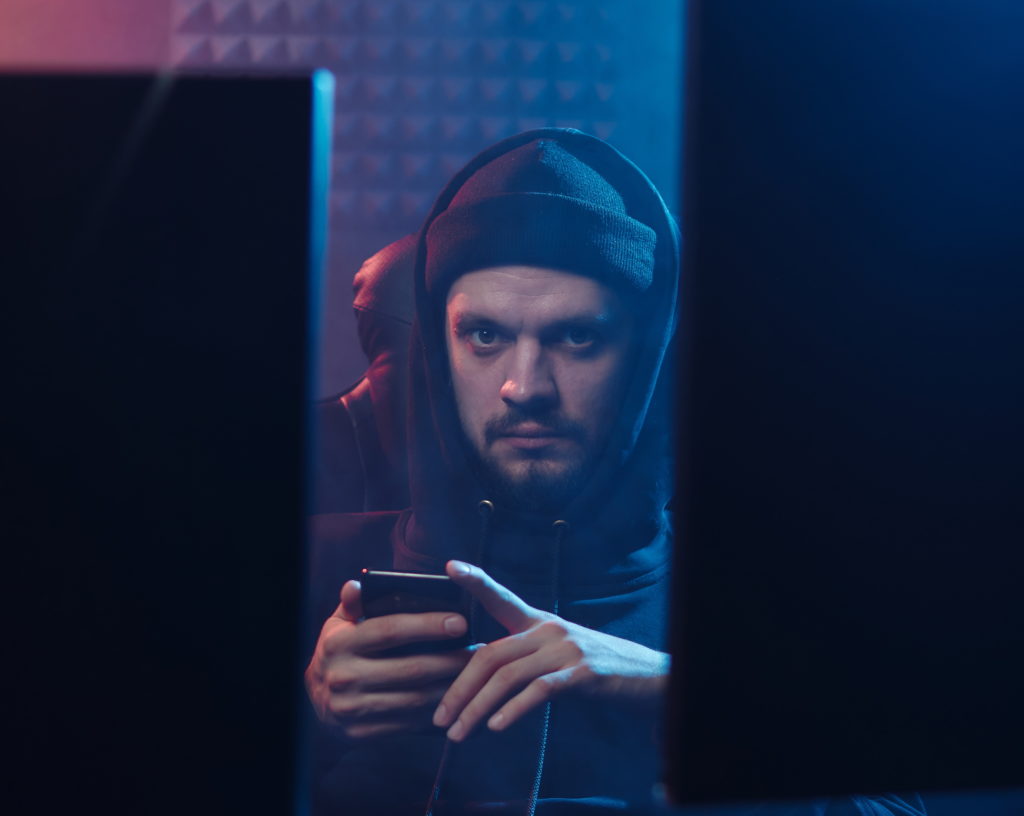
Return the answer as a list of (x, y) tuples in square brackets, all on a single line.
[(486, 511), (561, 532), (561, 528)]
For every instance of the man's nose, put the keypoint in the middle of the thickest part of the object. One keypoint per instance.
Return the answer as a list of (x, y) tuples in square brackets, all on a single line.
[(529, 380)]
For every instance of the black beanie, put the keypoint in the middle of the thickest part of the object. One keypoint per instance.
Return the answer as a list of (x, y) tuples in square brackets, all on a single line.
[(540, 205)]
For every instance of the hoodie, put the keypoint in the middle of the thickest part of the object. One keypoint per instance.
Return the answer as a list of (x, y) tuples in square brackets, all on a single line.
[(564, 200)]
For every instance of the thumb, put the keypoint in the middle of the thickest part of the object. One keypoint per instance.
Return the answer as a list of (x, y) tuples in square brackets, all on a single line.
[(351, 606), (501, 603)]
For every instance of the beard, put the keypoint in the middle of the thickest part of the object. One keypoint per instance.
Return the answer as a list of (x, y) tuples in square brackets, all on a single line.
[(535, 480), (534, 486)]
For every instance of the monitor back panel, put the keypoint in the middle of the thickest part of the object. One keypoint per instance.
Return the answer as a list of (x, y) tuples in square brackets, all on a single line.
[(849, 613), (159, 239)]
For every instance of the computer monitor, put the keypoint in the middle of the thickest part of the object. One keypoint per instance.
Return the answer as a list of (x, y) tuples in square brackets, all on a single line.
[(849, 615), (161, 255)]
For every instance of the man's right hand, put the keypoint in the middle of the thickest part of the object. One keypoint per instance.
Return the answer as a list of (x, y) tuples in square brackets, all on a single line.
[(366, 693)]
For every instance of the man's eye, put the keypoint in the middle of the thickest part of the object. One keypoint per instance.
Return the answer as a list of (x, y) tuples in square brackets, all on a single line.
[(483, 337), (579, 336)]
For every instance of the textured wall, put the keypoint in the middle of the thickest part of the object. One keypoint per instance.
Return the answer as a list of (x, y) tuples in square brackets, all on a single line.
[(423, 85)]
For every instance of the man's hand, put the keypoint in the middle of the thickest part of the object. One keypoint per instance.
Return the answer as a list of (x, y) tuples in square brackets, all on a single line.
[(366, 693), (542, 656)]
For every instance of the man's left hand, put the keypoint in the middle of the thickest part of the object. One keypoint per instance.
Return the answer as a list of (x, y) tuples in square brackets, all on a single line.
[(542, 656)]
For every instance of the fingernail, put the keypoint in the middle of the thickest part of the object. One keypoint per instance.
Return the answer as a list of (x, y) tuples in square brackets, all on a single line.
[(496, 722), (454, 625), (459, 568), (441, 716), (455, 732)]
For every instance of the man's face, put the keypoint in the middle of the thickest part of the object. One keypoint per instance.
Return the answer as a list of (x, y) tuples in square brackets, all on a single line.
[(538, 362)]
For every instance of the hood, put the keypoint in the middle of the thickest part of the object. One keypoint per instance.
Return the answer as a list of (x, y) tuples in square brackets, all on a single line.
[(616, 521), (383, 299), (384, 310)]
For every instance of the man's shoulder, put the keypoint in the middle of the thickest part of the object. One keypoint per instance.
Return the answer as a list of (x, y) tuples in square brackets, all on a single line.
[(347, 526), (342, 544), (358, 537)]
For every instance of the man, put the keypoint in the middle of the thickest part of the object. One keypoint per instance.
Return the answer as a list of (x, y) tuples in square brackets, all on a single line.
[(546, 282)]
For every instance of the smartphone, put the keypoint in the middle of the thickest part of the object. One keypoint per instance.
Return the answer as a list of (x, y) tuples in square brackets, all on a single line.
[(391, 593)]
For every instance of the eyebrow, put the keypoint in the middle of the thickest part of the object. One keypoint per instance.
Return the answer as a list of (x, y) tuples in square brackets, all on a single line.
[(606, 319), (463, 319), (603, 320)]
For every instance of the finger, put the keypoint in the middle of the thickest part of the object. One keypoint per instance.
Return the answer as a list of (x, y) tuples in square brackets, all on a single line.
[(484, 664), (347, 709), (502, 604), (388, 631), (384, 674), (537, 692), (372, 730), (351, 607), (509, 680)]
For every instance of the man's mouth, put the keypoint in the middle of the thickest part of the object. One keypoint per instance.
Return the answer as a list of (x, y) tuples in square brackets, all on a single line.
[(531, 436)]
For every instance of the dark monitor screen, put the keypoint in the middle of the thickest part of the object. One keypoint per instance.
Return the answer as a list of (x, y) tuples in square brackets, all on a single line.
[(160, 258), (849, 614)]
